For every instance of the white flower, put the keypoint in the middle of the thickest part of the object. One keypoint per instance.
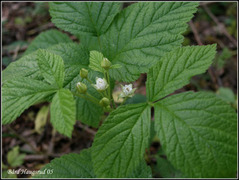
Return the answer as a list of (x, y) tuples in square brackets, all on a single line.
[(128, 91), (101, 84)]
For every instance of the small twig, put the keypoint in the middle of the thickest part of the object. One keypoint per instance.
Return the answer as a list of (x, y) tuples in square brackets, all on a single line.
[(86, 128), (35, 157), (216, 80), (195, 33), (22, 139), (221, 25)]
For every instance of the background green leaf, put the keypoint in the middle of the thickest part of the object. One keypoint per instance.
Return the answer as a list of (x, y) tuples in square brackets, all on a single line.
[(198, 133), (63, 112), (142, 33), (176, 68), (46, 39), (120, 142)]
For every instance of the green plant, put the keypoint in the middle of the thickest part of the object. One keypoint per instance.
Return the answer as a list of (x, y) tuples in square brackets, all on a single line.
[(198, 131), (14, 159)]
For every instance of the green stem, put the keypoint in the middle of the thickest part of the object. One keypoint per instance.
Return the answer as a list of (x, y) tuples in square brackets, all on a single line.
[(108, 80), (124, 101), (89, 80), (86, 98), (92, 97), (113, 102)]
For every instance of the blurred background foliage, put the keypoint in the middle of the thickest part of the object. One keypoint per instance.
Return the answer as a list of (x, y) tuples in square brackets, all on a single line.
[(31, 139)]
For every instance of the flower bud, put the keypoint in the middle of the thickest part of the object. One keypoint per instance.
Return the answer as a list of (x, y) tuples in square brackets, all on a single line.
[(101, 84), (104, 102), (84, 73), (108, 108), (105, 63), (81, 87)]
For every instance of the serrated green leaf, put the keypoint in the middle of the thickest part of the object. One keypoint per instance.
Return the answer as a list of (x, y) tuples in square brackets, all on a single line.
[(46, 39), (74, 56), (198, 133), (69, 166), (63, 112), (87, 18), (14, 158), (24, 67), (120, 142), (176, 68), (91, 42), (144, 32), (142, 171), (19, 94), (51, 67), (116, 66), (95, 61)]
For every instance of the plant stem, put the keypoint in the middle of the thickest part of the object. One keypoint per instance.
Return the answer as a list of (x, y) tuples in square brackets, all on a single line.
[(89, 80), (113, 102), (93, 98), (23, 139), (108, 80), (124, 101), (85, 97)]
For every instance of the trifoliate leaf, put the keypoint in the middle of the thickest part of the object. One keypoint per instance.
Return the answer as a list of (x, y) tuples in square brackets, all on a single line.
[(176, 68), (87, 18), (69, 166), (142, 33), (198, 133), (75, 58), (51, 67), (121, 140), (63, 112), (19, 94), (46, 39)]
